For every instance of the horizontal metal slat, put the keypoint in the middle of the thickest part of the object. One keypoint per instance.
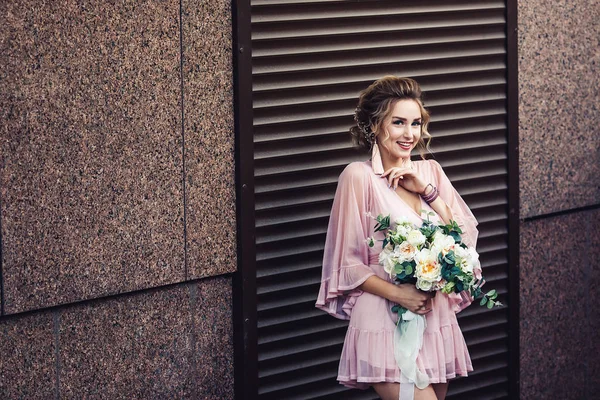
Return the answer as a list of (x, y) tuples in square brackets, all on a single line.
[(294, 365), (284, 301), (290, 383), (346, 26), (295, 283), (282, 11), (322, 196), (307, 262), (365, 58), (285, 318), (266, 152), (340, 132), (278, 217), (306, 330), (281, 249), (299, 348), (486, 104), (368, 74), (307, 228), (491, 388), (484, 81), (309, 46), (339, 159)]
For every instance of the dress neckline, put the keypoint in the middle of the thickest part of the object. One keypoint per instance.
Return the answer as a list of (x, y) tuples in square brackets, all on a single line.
[(396, 195)]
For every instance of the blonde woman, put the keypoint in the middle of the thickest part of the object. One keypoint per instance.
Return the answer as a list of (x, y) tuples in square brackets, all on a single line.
[(391, 121)]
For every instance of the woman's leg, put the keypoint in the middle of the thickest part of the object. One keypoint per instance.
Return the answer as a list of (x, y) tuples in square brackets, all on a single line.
[(390, 391), (440, 390)]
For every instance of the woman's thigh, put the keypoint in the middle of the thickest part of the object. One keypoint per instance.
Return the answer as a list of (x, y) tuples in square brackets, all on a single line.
[(390, 391)]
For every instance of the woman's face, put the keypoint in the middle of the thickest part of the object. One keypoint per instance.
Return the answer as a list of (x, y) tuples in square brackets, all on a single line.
[(404, 129)]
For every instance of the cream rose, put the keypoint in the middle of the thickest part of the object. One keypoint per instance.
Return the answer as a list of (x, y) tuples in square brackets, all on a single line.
[(405, 252), (428, 268)]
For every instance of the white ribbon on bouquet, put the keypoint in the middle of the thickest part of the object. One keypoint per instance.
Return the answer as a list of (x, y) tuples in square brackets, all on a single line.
[(408, 339)]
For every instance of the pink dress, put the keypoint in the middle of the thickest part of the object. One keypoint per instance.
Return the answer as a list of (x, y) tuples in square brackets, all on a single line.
[(367, 355)]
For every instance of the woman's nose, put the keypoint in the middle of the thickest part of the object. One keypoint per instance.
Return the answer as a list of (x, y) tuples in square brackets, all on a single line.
[(407, 131)]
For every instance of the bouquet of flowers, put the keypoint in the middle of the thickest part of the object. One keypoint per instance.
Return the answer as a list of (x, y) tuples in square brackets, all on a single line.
[(433, 257)]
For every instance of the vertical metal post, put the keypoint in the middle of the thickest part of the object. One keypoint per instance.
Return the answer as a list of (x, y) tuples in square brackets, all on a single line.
[(513, 197), (244, 281)]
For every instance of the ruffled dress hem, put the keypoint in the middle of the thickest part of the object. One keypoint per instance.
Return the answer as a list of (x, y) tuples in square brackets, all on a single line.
[(364, 383), (367, 356)]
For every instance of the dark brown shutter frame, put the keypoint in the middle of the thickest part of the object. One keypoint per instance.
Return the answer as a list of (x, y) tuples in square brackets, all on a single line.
[(309, 61)]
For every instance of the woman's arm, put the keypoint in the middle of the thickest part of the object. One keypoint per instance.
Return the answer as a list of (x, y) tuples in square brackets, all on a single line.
[(440, 207), (407, 295)]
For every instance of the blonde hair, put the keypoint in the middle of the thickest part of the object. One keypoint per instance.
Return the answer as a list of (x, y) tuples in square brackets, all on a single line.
[(375, 105)]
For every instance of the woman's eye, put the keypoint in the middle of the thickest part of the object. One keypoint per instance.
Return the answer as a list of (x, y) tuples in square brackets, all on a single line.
[(416, 123), (399, 122)]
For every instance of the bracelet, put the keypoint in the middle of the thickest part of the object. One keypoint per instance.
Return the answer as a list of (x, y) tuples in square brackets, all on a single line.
[(425, 191), (430, 198)]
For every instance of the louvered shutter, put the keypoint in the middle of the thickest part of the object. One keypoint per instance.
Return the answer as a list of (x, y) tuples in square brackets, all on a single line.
[(309, 61)]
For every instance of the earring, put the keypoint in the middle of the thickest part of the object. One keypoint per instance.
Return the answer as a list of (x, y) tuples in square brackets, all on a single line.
[(376, 159)]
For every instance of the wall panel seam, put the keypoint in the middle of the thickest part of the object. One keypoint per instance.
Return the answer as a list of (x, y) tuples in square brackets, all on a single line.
[(183, 170)]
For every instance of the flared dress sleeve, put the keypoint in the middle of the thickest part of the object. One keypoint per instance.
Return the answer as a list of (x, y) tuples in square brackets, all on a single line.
[(466, 221), (346, 255)]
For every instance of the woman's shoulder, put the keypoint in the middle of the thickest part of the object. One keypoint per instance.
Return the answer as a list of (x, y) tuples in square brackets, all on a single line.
[(356, 172), (357, 167)]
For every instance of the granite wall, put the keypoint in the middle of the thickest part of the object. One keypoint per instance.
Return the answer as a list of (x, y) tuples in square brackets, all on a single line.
[(117, 199), (560, 198)]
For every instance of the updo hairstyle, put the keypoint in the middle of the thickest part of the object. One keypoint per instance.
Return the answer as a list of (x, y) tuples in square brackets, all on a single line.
[(375, 105)]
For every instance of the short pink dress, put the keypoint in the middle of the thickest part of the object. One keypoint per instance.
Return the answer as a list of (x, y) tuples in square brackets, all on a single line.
[(367, 355)]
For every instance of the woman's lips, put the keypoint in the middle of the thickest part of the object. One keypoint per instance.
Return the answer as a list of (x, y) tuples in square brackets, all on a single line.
[(405, 145)]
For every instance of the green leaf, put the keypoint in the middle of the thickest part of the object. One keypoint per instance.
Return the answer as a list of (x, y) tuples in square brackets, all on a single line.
[(455, 236), (398, 268), (483, 301), (490, 304), (409, 270), (491, 293)]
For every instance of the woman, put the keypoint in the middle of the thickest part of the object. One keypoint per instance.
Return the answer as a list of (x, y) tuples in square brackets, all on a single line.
[(391, 121)]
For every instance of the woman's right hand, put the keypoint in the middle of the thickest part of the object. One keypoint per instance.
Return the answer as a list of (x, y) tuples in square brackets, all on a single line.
[(413, 299)]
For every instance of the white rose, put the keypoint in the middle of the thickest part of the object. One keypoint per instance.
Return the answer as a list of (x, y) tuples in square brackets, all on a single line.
[(427, 268), (442, 243), (416, 238), (463, 260), (405, 252), (424, 285)]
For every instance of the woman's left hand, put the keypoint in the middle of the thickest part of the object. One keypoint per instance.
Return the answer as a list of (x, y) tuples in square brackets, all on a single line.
[(408, 178)]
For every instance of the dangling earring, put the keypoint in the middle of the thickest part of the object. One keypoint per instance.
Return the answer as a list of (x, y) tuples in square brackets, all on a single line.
[(376, 158)]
